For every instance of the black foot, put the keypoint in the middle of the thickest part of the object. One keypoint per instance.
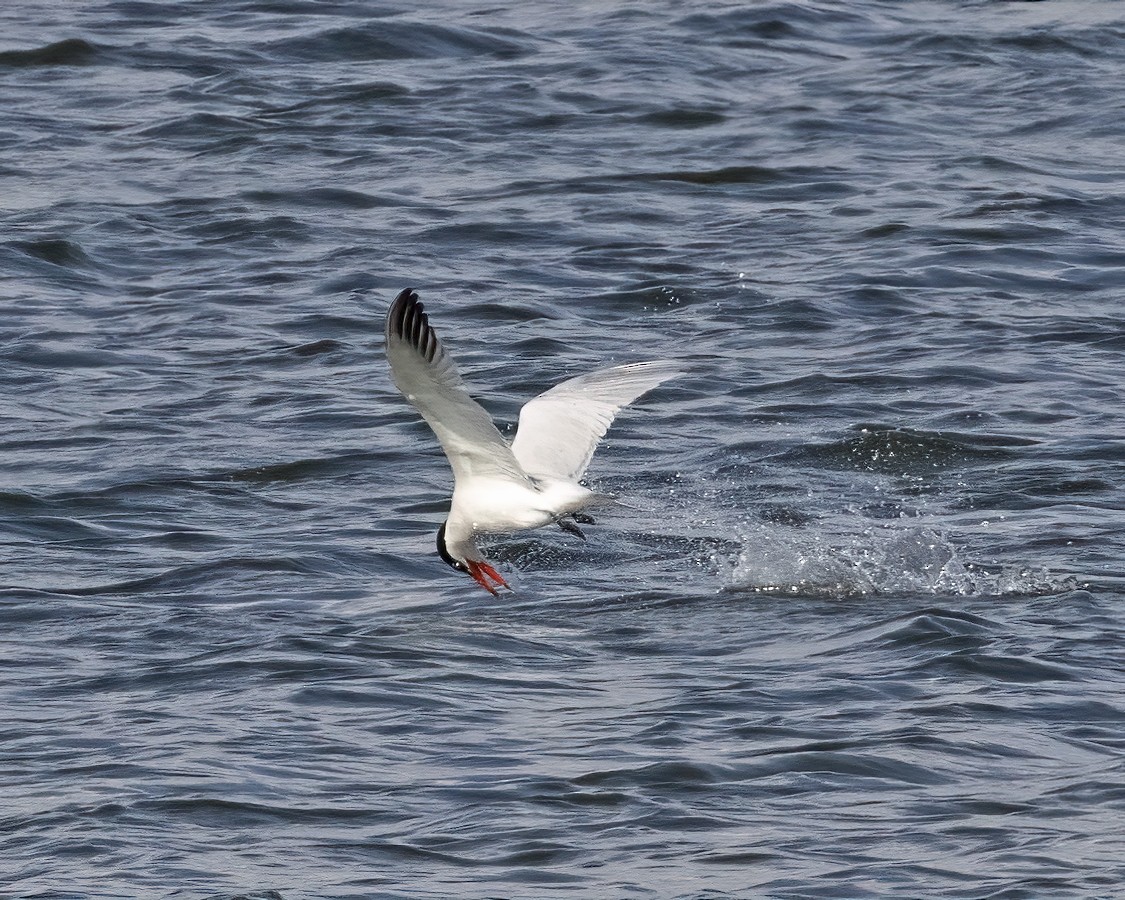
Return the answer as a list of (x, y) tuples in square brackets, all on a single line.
[(570, 528), (583, 519)]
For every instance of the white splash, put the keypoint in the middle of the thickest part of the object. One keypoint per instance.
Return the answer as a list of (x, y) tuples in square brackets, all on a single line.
[(877, 560)]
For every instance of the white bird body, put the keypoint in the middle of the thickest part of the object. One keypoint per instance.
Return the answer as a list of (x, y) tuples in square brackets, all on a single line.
[(500, 488), (496, 506), (499, 506)]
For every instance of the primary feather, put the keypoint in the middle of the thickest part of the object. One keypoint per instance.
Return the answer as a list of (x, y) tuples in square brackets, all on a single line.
[(428, 378)]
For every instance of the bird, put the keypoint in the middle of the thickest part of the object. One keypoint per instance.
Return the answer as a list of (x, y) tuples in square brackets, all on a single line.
[(499, 488)]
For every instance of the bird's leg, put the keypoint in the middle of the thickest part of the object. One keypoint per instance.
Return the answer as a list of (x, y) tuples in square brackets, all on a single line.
[(570, 528), (582, 518)]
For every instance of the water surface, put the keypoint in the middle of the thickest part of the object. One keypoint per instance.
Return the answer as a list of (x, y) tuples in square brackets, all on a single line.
[(858, 631)]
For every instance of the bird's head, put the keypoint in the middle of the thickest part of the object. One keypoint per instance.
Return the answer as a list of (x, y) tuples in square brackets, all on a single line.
[(478, 568)]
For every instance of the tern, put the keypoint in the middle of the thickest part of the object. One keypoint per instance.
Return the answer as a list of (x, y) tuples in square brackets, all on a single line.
[(500, 488)]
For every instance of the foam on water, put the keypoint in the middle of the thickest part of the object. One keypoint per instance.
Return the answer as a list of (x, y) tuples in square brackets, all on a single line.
[(885, 558)]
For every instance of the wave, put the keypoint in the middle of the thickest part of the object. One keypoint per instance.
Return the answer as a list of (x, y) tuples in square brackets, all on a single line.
[(69, 52), (894, 450), (393, 40)]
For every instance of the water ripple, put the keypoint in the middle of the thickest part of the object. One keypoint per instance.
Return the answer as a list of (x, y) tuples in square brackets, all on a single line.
[(853, 629)]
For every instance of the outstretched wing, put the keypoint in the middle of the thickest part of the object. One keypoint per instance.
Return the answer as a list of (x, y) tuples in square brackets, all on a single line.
[(559, 430), (427, 377)]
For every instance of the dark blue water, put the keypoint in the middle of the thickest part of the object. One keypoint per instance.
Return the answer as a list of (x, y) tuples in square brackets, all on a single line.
[(860, 631)]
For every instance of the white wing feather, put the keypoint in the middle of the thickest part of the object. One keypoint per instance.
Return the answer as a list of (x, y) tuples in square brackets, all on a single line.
[(428, 378), (560, 429)]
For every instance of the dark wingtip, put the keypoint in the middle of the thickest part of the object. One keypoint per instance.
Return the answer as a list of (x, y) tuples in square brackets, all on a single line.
[(401, 309), (407, 321)]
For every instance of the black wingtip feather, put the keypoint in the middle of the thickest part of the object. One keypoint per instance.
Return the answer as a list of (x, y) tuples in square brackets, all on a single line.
[(407, 320)]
